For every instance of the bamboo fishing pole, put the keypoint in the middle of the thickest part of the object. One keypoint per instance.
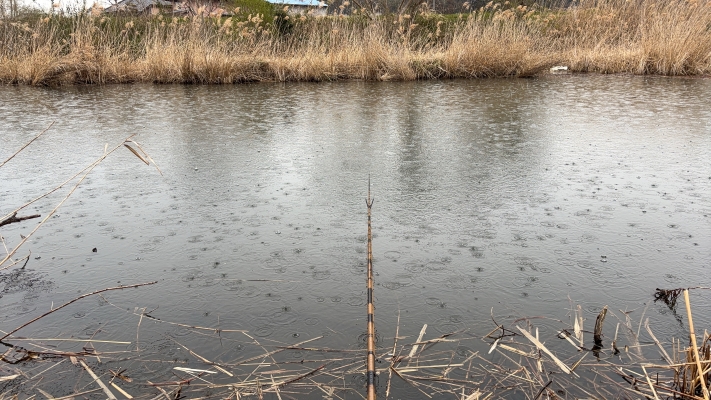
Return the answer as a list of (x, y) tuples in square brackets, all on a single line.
[(370, 374)]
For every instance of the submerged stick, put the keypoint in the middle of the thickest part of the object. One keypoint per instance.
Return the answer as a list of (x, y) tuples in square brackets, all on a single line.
[(370, 362), (664, 353), (203, 359), (545, 350), (26, 259), (72, 301), (98, 381), (543, 389), (692, 335)]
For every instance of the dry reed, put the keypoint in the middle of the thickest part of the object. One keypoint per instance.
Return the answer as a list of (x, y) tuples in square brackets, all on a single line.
[(520, 362), (667, 37)]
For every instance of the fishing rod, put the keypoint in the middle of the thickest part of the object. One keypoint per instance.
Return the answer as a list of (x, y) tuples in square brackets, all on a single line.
[(370, 372)]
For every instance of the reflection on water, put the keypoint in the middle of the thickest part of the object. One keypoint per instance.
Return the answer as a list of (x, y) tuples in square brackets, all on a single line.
[(515, 194)]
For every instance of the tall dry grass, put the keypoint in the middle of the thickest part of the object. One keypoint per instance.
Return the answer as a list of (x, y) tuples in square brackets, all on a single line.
[(637, 36), (669, 37)]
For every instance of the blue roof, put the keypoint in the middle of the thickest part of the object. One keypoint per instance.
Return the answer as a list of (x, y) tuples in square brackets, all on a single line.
[(311, 3)]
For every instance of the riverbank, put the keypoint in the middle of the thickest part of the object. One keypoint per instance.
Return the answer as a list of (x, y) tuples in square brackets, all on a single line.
[(608, 36)]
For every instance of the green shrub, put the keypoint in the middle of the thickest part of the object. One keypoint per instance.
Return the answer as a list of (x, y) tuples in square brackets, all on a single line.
[(246, 8), (283, 24)]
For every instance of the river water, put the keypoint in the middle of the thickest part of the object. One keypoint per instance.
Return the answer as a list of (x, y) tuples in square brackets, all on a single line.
[(523, 196)]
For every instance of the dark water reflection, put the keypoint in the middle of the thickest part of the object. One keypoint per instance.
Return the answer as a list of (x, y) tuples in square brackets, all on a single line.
[(516, 194)]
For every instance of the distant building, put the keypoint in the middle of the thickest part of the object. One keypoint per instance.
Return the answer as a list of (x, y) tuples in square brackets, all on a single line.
[(302, 7), (138, 6), (180, 7)]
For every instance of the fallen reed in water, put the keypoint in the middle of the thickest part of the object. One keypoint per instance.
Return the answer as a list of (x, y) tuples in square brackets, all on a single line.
[(135, 352), (667, 37)]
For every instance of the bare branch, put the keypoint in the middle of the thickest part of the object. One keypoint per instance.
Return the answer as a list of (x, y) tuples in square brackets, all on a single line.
[(72, 301), (14, 218)]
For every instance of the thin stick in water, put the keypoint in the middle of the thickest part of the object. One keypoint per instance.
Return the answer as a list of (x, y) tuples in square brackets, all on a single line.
[(370, 362), (27, 144), (72, 301)]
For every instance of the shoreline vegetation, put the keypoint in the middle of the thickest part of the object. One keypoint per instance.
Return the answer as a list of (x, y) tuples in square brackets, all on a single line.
[(655, 37)]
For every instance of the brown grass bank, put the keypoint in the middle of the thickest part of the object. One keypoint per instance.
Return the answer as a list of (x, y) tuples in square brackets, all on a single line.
[(666, 37)]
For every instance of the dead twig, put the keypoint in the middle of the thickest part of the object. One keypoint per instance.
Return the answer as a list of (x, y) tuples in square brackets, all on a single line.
[(203, 359), (98, 381), (72, 301), (14, 218), (543, 389)]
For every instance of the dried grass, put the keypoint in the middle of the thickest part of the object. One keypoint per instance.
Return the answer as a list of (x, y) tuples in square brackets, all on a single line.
[(641, 37), (606, 36)]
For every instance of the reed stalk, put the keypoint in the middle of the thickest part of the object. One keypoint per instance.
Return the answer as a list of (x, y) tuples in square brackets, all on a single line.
[(370, 372), (695, 349), (599, 322)]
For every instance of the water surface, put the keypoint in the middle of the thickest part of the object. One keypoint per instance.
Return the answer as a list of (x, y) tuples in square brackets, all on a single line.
[(525, 196)]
